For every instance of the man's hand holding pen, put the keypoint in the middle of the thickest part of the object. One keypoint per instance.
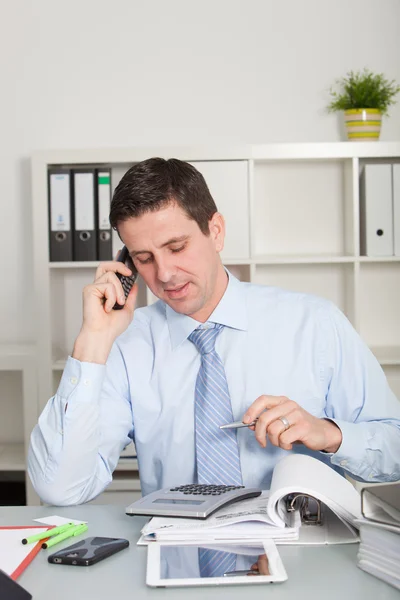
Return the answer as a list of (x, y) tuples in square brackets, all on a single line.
[(283, 422)]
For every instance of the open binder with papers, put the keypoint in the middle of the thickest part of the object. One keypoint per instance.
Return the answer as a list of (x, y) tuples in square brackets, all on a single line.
[(308, 503)]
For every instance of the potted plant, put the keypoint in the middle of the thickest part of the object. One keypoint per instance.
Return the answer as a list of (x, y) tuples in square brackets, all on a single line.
[(364, 97)]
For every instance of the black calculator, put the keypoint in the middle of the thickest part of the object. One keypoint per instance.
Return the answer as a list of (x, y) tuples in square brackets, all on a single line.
[(192, 500)]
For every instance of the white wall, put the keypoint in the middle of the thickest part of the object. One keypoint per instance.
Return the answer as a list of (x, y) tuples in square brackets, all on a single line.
[(98, 73)]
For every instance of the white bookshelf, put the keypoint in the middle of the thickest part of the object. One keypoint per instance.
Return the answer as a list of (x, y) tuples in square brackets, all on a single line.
[(295, 224), (19, 360)]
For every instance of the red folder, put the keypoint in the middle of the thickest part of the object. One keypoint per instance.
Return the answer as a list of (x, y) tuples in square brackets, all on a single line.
[(35, 548)]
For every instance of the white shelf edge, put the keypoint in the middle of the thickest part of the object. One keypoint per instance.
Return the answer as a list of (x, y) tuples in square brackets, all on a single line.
[(302, 260), (15, 357), (90, 264), (12, 457), (260, 260), (127, 464), (58, 365), (379, 259), (257, 152), (120, 484), (387, 355), (328, 150)]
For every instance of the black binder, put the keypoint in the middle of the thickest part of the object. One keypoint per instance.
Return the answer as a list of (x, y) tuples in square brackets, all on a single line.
[(84, 215), (60, 219), (103, 201)]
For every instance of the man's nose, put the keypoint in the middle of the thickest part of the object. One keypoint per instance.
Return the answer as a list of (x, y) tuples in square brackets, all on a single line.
[(165, 270)]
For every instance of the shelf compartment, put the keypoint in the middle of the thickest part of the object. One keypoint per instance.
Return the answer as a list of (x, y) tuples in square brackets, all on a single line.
[(303, 207), (334, 282), (379, 316), (12, 457)]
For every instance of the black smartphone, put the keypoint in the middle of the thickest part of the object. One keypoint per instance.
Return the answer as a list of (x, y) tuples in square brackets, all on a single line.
[(127, 282), (88, 551), (11, 590)]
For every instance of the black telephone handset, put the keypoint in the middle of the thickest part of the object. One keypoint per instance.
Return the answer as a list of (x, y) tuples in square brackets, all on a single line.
[(127, 282)]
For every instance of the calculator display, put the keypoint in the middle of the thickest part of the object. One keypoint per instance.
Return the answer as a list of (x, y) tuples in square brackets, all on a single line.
[(176, 501)]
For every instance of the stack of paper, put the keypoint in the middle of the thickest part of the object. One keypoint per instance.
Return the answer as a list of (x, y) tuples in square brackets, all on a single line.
[(379, 552), (246, 520)]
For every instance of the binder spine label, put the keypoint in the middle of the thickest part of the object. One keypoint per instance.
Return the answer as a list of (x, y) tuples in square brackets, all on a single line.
[(104, 187), (60, 202), (84, 201)]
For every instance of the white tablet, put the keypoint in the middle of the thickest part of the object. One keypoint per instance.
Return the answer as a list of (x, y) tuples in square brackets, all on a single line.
[(210, 564)]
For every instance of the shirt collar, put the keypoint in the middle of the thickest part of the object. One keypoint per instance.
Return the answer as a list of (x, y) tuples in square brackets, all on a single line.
[(231, 312)]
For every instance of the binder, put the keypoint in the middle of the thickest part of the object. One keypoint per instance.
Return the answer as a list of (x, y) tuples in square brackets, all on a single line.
[(376, 210), (381, 503), (84, 215), (59, 190), (103, 197), (396, 208)]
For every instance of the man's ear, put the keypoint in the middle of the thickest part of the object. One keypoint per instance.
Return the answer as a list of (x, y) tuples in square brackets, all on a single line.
[(217, 230)]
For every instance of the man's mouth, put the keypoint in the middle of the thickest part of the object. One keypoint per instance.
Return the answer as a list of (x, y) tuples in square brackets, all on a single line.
[(178, 291)]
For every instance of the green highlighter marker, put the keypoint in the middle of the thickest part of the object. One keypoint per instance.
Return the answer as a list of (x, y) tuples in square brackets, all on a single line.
[(49, 533), (71, 532)]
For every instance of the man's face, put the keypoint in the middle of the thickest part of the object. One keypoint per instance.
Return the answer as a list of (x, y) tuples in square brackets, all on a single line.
[(177, 261)]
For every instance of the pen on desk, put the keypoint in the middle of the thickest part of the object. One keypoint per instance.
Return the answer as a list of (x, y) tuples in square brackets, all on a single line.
[(237, 425), (49, 533), (72, 532)]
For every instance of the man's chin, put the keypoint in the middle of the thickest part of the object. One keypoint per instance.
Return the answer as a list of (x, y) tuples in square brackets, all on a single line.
[(183, 307)]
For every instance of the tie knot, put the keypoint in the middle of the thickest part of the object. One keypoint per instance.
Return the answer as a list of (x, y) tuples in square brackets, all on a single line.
[(204, 338)]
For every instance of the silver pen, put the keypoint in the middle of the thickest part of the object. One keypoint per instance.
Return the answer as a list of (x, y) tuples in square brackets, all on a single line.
[(238, 424)]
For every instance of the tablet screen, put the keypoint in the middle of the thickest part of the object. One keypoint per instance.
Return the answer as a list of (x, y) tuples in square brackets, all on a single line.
[(186, 562)]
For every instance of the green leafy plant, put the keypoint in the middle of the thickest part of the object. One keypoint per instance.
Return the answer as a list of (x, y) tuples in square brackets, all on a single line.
[(363, 89)]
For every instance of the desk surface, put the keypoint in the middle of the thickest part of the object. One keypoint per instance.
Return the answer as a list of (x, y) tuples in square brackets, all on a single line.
[(327, 572)]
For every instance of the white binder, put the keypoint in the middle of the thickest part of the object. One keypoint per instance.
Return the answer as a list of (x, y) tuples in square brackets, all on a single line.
[(60, 214), (376, 210), (396, 208), (85, 246), (104, 240)]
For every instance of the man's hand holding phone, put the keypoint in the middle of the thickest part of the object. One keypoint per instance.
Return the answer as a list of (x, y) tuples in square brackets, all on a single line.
[(101, 324)]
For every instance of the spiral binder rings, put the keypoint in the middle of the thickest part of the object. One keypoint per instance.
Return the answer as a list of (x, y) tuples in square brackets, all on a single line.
[(310, 509)]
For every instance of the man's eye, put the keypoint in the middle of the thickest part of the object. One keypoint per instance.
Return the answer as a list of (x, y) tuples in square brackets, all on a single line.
[(178, 249), (144, 262)]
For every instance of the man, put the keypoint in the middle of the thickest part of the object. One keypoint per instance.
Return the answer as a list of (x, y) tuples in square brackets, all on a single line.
[(210, 351)]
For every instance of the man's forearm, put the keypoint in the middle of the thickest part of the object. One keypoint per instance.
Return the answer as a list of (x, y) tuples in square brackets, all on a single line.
[(64, 461), (92, 347), (370, 450)]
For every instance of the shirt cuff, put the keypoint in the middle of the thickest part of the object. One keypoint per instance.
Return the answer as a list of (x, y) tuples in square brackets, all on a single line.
[(351, 452), (82, 378)]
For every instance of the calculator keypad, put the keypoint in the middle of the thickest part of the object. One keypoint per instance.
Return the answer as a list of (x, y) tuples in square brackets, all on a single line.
[(198, 489)]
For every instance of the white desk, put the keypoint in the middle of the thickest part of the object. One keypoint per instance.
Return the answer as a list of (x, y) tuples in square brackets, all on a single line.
[(327, 572)]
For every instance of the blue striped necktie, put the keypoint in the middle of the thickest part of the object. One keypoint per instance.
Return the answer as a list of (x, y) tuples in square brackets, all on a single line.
[(217, 452)]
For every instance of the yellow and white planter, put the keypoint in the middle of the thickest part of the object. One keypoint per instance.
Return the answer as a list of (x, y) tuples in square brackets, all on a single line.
[(363, 124)]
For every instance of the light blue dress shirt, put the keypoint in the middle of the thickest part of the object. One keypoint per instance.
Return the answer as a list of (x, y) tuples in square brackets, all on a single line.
[(274, 342)]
